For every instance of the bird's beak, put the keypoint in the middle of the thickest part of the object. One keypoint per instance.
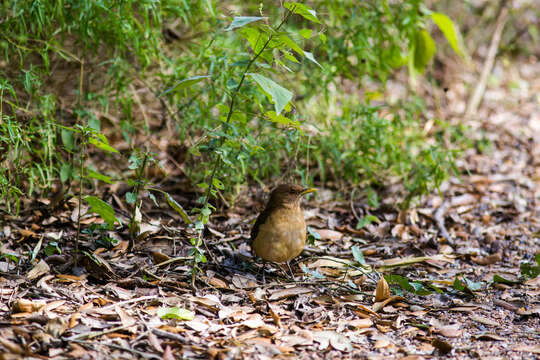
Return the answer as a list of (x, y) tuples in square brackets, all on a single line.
[(307, 191)]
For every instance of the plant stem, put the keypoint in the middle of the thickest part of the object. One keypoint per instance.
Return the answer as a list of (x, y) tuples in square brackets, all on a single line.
[(84, 134), (134, 211), (217, 164)]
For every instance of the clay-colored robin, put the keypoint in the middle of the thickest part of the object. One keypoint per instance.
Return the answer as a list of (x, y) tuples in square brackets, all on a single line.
[(279, 234)]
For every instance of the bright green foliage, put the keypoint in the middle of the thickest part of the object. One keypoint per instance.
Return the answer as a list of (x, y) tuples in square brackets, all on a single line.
[(450, 31), (531, 270), (175, 313), (241, 92), (104, 210)]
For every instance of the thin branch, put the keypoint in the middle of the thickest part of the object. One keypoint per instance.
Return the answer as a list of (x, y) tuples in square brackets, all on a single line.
[(480, 88)]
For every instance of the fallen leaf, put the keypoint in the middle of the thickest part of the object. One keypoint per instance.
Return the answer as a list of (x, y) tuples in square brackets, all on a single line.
[(154, 341), (450, 330), (327, 234), (535, 349), (289, 292), (443, 346), (383, 290), (214, 281), (41, 268), (487, 260), (242, 282), (198, 324), (381, 342), (326, 338), (360, 323), (484, 320), (254, 321), (329, 261), (490, 336)]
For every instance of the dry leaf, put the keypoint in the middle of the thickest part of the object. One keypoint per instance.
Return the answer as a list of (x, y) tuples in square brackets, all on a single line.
[(338, 341), (490, 336), (242, 282), (41, 268), (535, 349), (383, 290), (329, 261), (289, 292), (381, 342), (27, 306), (487, 260), (154, 341), (159, 257), (254, 321), (360, 323), (168, 354), (327, 234), (484, 320), (220, 284), (441, 345)]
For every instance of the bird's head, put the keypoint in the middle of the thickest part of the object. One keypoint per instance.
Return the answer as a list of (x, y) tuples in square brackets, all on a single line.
[(288, 194)]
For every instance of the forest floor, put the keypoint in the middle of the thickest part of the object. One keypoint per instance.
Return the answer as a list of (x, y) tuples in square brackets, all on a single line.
[(455, 264)]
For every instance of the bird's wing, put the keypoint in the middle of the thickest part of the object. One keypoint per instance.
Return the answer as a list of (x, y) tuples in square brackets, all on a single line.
[(263, 216)]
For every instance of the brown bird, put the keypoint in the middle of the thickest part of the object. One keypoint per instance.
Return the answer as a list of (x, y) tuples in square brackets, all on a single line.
[(279, 234)]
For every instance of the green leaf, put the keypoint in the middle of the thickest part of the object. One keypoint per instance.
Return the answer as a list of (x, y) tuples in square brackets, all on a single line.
[(210, 8), (66, 172), (10, 256), (134, 161), (185, 83), (358, 255), (175, 313), (94, 123), (311, 58), (366, 220), (500, 280), (95, 175), (52, 248), (218, 184), (313, 273), (305, 33), (313, 235), (323, 38), (424, 50), (473, 285), (174, 205), (415, 287), (529, 270), (449, 30), (255, 38), (280, 96), (240, 21), (131, 197), (67, 139), (291, 44), (104, 210), (288, 56), (303, 10), (280, 119), (100, 141), (466, 285)]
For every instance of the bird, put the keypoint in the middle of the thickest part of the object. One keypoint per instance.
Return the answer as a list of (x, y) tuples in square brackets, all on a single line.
[(279, 233)]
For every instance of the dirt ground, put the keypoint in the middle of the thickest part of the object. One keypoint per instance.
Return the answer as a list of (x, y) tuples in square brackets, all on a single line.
[(454, 260)]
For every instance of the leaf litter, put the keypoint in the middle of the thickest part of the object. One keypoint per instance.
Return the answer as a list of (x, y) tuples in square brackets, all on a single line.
[(455, 275)]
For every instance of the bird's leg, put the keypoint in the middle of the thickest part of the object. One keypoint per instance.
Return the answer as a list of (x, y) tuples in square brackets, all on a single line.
[(263, 271), (292, 274)]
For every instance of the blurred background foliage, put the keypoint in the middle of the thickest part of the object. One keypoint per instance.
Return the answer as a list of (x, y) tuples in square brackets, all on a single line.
[(159, 76)]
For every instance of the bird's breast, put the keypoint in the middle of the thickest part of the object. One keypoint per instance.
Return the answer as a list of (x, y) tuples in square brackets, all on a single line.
[(283, 235)]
